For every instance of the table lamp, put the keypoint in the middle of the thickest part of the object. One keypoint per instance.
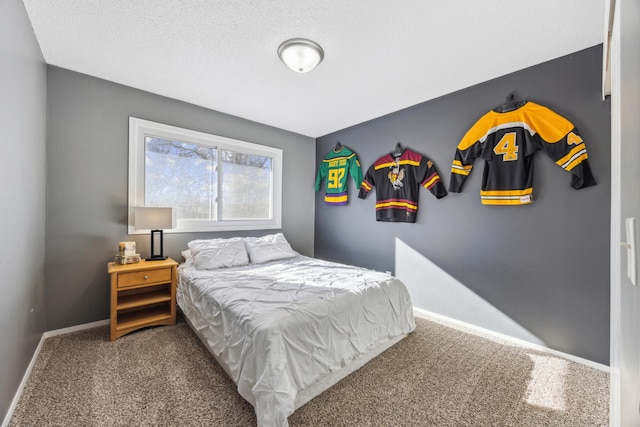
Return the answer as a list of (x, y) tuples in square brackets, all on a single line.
[(155, 219)]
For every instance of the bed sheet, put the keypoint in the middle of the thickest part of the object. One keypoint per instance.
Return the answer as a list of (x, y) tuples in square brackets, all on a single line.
[(279, 327)]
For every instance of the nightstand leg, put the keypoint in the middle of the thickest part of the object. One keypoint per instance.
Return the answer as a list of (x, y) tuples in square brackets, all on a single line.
[(114, 302)]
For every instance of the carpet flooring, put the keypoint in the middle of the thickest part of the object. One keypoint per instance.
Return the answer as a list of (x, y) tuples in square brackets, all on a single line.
[(438, 376)]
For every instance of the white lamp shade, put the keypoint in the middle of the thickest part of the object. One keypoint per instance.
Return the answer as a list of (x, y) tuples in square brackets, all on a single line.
[(151, 218), (301, 55)]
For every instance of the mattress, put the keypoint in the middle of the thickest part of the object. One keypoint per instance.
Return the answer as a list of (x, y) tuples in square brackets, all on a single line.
[(281, 328)]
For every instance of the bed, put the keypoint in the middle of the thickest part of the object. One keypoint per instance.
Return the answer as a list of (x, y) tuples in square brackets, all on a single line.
[(285, 327)]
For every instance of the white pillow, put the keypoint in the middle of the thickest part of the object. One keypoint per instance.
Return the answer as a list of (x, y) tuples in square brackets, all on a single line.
[(268, 248), (187, 256), (218, 253)]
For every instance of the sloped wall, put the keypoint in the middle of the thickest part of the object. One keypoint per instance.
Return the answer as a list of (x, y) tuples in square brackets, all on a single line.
[(545, 265)]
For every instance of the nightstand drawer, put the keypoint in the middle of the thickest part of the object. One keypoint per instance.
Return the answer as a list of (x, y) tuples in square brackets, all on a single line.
[(144, 277)]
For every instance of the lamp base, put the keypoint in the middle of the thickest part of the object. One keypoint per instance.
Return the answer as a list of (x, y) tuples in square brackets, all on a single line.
[(156, 237)]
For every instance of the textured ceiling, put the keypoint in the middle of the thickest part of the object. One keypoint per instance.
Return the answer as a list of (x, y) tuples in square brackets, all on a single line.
[(380, 56)]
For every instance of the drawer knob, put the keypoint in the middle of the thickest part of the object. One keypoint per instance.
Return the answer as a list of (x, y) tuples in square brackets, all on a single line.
[(146, 277)]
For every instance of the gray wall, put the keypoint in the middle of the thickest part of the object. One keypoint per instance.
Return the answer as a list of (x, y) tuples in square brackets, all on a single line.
[(87, 150), (22, 173), (545, 265)]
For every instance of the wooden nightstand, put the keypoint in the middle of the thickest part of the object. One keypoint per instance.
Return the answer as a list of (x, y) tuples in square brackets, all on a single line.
[(142, 294)]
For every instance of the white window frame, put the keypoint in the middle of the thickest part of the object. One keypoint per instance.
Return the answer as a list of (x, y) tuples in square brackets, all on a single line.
[(139, 129)]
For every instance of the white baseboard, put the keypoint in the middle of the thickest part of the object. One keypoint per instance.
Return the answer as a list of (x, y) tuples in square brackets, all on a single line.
[(25, 377), (27, 373), (467, 327), (75, 328)]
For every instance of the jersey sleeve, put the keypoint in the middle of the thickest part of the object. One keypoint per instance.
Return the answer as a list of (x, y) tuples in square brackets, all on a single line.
[(430, 178), (462, 164), (356, 171), (322, 174), (468, 150), (368, 182), (560, 140), (570, 153)]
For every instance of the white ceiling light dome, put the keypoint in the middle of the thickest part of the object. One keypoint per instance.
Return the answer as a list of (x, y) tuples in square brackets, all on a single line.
[(301, 55)]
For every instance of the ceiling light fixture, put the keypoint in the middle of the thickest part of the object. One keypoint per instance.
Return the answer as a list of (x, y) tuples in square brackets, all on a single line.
[(301, 55)]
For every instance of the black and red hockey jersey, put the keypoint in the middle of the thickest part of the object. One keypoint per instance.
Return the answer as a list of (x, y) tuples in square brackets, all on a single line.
[(507, 143), (398, 181)]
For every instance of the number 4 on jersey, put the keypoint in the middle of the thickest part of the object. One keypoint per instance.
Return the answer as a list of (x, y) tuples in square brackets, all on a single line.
[(573, 139), (507, 147)]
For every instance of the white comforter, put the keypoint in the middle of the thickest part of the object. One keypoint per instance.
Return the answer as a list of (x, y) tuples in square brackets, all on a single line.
[(278, 327)]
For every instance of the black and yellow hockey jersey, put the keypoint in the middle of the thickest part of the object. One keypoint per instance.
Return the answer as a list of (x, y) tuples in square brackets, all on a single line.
[(398, 181), (507, 143)]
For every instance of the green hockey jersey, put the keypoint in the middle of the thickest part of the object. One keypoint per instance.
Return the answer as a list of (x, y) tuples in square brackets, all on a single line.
[(335, 168)]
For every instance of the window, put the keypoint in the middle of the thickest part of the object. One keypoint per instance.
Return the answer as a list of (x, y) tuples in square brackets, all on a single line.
[(214, 183)]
